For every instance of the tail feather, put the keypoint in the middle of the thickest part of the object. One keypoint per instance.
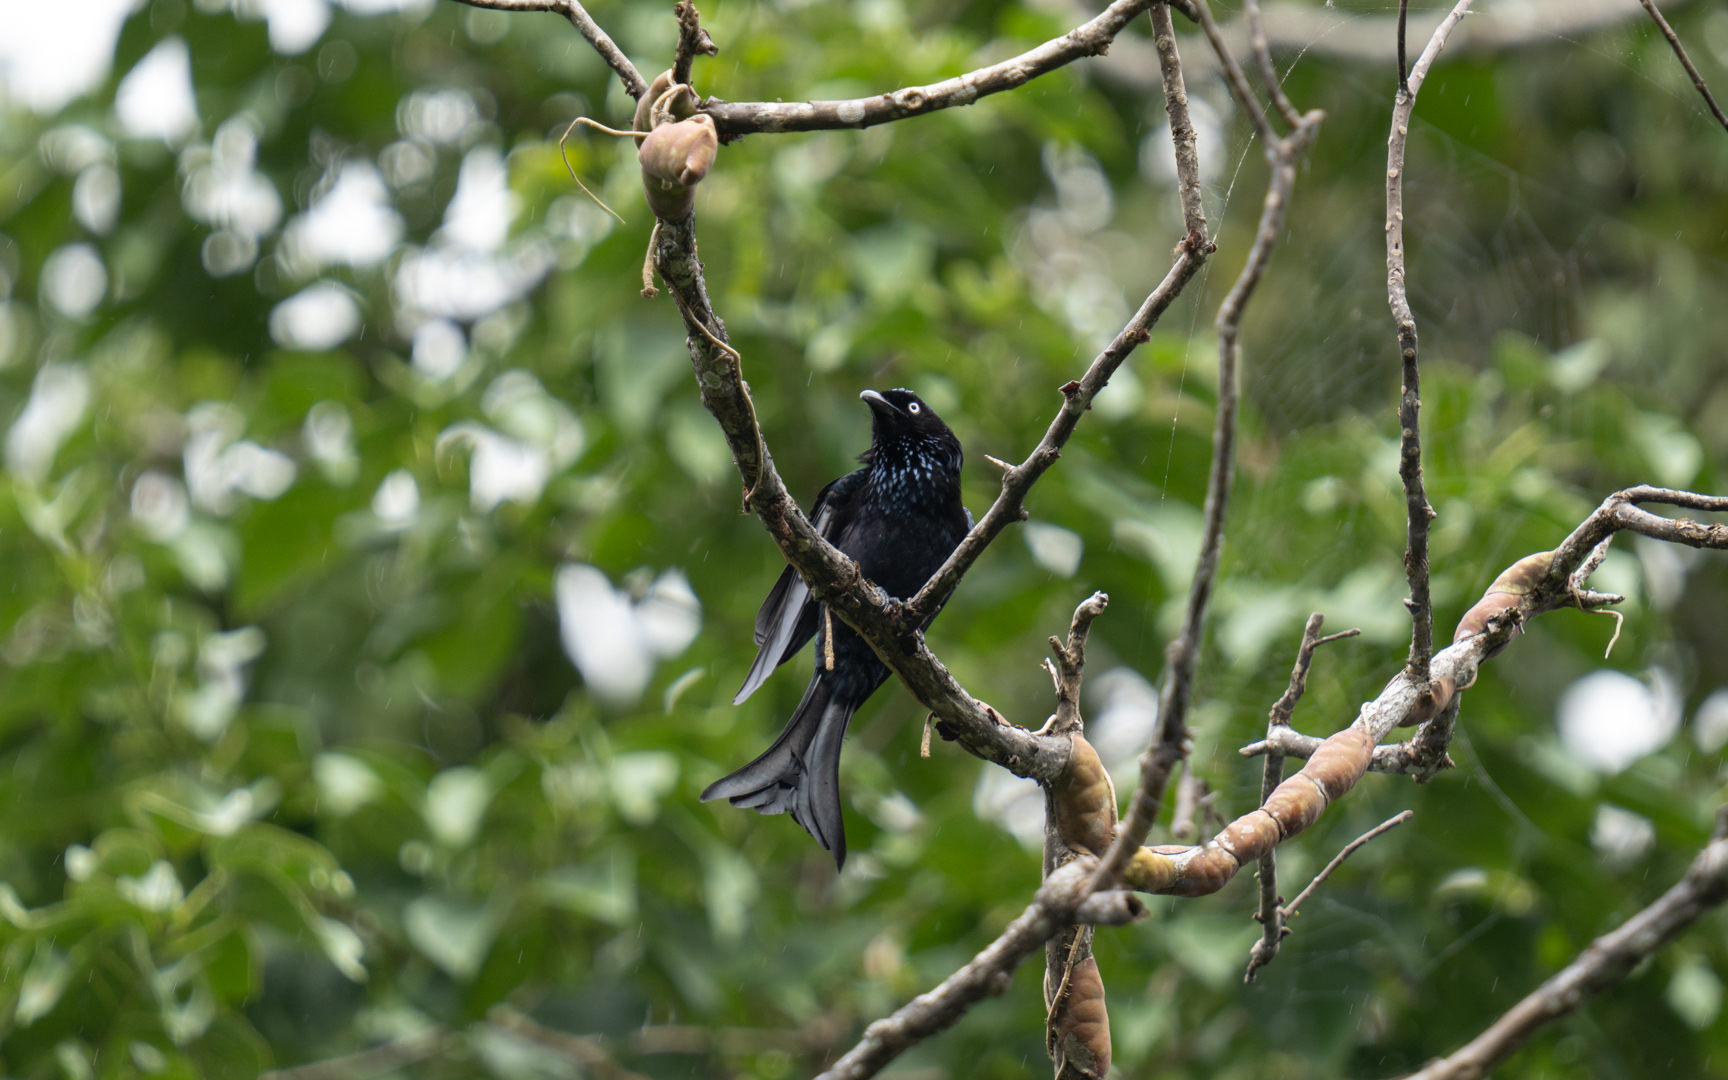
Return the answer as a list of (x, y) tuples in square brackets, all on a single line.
[(800, 773)]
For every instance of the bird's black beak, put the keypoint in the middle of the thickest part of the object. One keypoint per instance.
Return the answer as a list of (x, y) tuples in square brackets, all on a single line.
[(879, 405)]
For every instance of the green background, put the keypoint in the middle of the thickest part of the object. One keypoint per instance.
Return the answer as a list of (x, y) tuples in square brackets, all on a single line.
[(418, 811)]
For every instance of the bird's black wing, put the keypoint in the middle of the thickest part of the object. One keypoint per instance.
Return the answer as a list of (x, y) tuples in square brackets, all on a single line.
[(788, 617)]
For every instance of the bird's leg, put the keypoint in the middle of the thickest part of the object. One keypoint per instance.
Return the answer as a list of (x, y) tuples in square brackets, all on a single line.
[(827, 638)]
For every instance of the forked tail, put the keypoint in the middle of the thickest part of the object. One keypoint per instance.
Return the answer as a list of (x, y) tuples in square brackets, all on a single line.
[(800, 773)]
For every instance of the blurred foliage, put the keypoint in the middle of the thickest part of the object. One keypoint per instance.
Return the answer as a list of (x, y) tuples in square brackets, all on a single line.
[(294, 756)]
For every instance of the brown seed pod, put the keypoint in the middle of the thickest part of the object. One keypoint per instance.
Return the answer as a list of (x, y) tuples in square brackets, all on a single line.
[(644, 121), (1440, 695), (1080, 1031), (675, 157), (1340, 761), (1209, 870), (1084, 800), (1250, 836), (1296, 804), (1513, 584)]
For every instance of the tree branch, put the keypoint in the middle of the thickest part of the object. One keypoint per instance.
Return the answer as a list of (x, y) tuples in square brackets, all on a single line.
[(692, 41), (1168, 747), (1416, 507), (1609, 959), (370, 1063), (1686, 62), (1062, 899), (1349, 850), (1271, 915), (1092, 38), (587, 27)]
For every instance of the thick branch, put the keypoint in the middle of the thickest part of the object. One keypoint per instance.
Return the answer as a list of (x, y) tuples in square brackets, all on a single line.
[(1609, 959), (1686, 62), (1416, 507), (1184, 653), (1062, 899), (1536, 584), (1093, 38), (587, 27)]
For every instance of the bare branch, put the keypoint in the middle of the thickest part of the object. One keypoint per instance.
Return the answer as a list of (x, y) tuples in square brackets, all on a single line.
[(692, 41), (370, 1063), (615, 59), (1090, 39), (1182, 134), (1609, 959), (1349, 850), (1063, 898), (1271, 915), (1686, 62), (1542, 583), (1184, 653), (1416, 507), (1233, 74), (1071, 665), (1268, 73), (1009, 507), (585, 1050)]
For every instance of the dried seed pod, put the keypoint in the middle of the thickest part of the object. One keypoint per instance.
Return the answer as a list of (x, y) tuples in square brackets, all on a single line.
[(1149, 870), (1296, 804), (1340, 761), (675, 157), (1513, 584), (1209, 870), (644, 121), (1080, 1030), (1250, 836), (1084, 800), (1440, 693)]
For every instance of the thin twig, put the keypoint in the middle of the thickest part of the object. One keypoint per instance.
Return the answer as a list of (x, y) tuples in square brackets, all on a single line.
[(369, 1063), (1338, 859), (1268, 72), (1169, 746), (585, 1050), (1685, 61), (1092, 38), (1270, 914), (1609, 959), (693, 41), (1417, 510), (1191, 796), (1184, 140), (1010, 505), (609, 51), (1403, 68), (1070, 664)]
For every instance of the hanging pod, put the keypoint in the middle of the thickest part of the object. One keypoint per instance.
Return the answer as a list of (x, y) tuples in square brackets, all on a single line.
[(676, 146)]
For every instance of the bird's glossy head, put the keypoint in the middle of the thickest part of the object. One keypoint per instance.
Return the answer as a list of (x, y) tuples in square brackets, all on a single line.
[(904, 426), (901, 413)]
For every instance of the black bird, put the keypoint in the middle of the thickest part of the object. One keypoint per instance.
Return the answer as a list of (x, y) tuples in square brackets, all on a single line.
[(899, 517)]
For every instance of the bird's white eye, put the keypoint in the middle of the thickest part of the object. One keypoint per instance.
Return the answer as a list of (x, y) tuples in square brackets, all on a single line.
[(914, 409)]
